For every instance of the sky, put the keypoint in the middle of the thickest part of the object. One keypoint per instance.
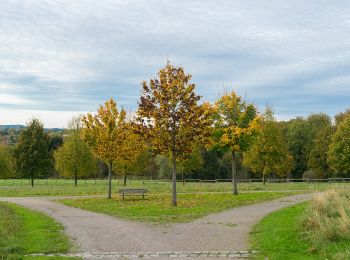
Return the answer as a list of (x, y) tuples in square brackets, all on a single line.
[(60, 58)]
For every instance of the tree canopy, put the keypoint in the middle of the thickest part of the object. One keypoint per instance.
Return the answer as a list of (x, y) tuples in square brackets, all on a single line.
[(31, 154), (268, 153), (339, 148), (318, 155)]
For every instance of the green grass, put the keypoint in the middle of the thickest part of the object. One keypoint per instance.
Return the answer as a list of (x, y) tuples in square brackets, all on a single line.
[(24, 231), (21, 188), (280, 236), (158, 209)]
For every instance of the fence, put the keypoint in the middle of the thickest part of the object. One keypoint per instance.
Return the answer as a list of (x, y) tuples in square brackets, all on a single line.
[(48, 182)]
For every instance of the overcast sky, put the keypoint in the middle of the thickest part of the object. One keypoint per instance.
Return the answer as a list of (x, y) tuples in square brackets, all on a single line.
[(59, 58)]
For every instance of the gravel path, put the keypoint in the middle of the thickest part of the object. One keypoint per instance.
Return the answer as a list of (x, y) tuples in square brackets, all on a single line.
[(99, 233)]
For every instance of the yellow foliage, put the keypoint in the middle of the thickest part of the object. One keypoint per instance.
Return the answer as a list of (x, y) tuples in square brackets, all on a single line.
[(111, 136), (236, 120)]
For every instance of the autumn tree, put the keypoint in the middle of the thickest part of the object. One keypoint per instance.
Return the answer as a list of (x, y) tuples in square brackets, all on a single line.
[(107, 132), (74, 159), (268, 153), (339, 148), (6, 164), (31, 154), (172, 117), (235, 123)]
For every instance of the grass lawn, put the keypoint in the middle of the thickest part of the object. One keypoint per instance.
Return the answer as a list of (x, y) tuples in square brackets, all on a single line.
[(24, 231), (158, 209), (278, 236), (21, 188)]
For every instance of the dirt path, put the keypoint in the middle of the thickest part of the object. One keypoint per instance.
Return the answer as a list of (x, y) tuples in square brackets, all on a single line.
[(100, 233)]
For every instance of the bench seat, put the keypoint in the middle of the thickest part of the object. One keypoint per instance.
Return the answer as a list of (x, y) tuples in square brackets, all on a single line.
[(133, 192)]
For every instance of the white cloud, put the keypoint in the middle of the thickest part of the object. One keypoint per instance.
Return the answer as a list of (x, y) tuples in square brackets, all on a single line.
[(51, 119), (72, 55), (13, 100)]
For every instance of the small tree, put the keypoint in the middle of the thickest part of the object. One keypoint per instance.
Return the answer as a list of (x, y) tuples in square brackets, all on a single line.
[(74, 159), (32, 156), (6, 164), (171, 117), (339, 148), (268, 153), (108, 134), (236, 123)]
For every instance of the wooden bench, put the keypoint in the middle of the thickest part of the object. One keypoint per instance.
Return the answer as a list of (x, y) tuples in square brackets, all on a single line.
[(133, 192)]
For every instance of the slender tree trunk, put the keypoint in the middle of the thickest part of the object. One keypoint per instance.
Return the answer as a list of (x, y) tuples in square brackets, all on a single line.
[(124, 179), (183, 179), (110, 180), (174, 201), (75, 164), (234, 174), (32, 181), (75, 179), (264, 178)]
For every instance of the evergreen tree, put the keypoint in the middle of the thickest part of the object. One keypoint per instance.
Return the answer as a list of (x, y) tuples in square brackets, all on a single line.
[(31, 155)]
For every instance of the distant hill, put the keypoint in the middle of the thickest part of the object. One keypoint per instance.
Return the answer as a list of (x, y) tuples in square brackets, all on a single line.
[(19, 127), (16, 127)]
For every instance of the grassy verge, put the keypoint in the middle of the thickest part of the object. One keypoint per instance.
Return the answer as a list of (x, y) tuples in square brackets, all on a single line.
[(21, 188), (280, 235), (158, 209), (23, 231)]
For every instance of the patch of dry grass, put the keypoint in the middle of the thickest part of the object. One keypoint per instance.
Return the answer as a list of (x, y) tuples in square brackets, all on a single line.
[(327, 219)]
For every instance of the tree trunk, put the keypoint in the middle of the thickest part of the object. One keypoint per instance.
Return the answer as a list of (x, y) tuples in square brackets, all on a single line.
[(32, 181), (124, 179), (174, 201), (75, 180), (183, 179), (264, 178), (110, 180), (234, 172)]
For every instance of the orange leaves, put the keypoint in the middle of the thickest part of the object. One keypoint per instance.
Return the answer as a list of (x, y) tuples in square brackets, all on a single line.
[(169, 113)]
